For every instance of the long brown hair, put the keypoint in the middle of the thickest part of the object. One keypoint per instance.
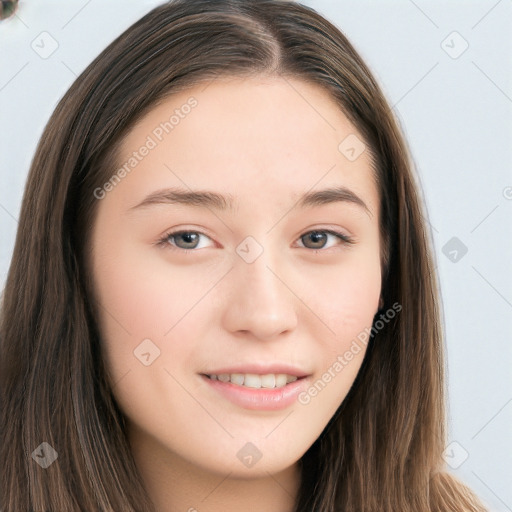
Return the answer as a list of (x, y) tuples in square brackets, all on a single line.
[(382, 451)]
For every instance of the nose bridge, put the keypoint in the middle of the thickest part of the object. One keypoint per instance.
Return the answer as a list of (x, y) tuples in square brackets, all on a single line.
[(260, 302), (260, 280)]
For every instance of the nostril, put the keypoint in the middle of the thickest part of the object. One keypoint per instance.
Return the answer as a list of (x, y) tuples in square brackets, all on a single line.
[(7, 8)]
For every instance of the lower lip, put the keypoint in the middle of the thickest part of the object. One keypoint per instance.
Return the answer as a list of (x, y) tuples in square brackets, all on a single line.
[(261, 399)]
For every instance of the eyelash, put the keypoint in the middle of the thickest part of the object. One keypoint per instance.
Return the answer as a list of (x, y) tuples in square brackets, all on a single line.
[(164, 241)]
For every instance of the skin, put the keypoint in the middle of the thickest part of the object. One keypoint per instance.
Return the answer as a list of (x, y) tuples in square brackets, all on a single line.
[(264, 141)]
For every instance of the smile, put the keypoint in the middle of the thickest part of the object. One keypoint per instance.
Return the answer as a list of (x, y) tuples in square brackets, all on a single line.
[(264, 392), (252, 380)]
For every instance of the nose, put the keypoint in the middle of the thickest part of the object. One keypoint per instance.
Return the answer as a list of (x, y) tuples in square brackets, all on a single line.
[(260, 304)]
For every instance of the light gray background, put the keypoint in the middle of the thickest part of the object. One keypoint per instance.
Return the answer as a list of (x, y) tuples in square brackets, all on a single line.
[(456, 111)]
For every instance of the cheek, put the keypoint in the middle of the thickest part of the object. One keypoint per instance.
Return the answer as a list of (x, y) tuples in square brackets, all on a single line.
[(347, 306), (144, 297), (157, 310), (346, 300), (346, 297), (355, 298), (149, 301)]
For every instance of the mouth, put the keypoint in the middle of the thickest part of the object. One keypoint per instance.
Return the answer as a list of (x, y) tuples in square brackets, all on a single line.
[(255, 381), (258, 388)]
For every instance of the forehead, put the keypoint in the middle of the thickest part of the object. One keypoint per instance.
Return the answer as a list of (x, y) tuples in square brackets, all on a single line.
[(249, 136)]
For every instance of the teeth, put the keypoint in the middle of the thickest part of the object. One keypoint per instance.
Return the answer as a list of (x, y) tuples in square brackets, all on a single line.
[(251, 380), (268, 381), (237, 378), (281, 380)]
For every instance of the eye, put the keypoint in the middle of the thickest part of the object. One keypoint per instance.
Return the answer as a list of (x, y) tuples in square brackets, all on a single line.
[(189, 240), (183, 240), (318, 238)]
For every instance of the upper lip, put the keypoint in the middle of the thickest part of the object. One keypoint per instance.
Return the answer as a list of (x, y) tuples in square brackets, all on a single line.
[(260, 369)]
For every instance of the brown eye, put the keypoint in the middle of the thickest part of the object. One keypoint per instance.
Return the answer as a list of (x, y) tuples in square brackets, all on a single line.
[(318, 239), (190, 239), (7, 8), (184, 239)]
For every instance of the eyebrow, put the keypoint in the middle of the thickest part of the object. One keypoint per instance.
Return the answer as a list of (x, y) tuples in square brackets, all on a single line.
[(213, 200)]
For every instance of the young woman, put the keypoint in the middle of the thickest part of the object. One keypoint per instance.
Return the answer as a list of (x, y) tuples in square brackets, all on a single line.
[(222, 293)]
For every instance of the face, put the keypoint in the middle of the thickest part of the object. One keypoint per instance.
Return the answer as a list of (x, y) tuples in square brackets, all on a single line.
[(232, 289)]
